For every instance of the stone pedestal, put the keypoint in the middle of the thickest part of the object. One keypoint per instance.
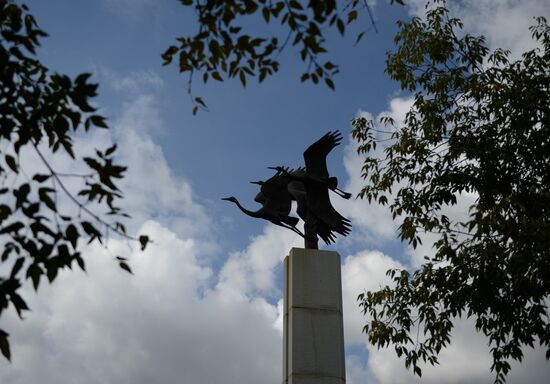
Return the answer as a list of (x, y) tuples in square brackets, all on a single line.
[(313, 340)]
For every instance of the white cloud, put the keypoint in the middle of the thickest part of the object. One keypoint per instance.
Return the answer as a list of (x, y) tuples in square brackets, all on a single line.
[(252, 271), (154, 191), (158, 325), (175, 320), (466, 359), (365, 271), (137, 81), (372, 222), (505, 23)]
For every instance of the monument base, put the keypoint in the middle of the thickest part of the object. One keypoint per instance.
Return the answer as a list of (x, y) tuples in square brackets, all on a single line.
[(313, 331)]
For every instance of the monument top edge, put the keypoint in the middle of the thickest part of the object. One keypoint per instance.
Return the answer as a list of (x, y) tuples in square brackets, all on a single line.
[(308, 251)]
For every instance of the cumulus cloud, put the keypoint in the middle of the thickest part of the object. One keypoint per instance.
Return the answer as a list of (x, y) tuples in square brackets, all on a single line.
[(365, 271), (504, 23), (176, 319), (252, 271), (136, 81), (161, 324), (372, 222)]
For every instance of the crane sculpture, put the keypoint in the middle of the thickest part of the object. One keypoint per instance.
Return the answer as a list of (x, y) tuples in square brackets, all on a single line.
[(276, 203), (309, 186)]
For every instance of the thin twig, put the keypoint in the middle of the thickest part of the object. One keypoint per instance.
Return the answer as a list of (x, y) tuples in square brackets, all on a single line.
[(78, 203)]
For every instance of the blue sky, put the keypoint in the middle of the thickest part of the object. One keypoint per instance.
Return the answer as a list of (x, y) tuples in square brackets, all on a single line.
[(246, 130), (204, 303)]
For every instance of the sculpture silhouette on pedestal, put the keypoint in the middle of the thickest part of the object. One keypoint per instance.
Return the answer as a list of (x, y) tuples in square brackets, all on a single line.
[(309, 187)]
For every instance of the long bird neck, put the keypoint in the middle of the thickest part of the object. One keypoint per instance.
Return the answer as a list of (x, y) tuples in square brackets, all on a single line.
[(246, 211)]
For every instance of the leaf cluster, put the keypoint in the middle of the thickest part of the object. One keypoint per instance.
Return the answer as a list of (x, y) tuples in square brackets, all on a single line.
[(39, 114), (479, 126), (224, 49)]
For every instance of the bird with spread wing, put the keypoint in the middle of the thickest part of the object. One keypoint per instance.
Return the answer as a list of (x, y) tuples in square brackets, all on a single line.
[(320, 217), (309, 187)]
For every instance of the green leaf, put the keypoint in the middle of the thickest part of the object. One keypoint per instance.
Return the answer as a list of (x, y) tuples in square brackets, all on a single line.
[(82, 78), (266, 13), (80, 261), (17, 267), (41, 178), (143, 240), (295, 4), (200, 101), (126, 267), (90, 229), (352, 15), (99, 121), (242, 77), (46, 199), (10, 160), (329, 65), (341, 26), (5, 212), (71, 233), (51, 273), (34, 272), (14, 228), (109, 151), (359, 37), (4, 344), (19, 304), (330, 83)]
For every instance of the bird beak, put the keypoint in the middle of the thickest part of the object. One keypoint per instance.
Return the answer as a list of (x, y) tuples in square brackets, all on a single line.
[(256, 182), (226, 198), (274, 168)]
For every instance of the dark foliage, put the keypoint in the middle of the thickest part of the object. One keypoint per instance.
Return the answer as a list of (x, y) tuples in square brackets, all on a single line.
[(479, 125), (39, 113), (222, 47)]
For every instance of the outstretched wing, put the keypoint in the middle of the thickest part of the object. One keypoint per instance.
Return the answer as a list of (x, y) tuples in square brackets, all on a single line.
[(316, 154), (319, 203)]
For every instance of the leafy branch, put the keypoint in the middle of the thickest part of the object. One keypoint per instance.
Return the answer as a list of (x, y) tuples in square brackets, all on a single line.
[(41, 110), (223, 50)]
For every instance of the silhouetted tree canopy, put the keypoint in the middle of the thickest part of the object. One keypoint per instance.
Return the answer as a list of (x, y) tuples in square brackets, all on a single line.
[(479, 126), (39, 113), (222, 48)]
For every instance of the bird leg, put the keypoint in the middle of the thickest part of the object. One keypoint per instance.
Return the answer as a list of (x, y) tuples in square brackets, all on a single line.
[(294, 229), (339, 192)]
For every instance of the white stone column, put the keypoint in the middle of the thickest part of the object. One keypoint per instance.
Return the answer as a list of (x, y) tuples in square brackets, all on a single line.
[(313, 331)]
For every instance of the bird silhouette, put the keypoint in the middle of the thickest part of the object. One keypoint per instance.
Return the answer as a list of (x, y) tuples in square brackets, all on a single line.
[(321, 218), (276, 188), (315, 158), (297, 190), (276, 203)]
